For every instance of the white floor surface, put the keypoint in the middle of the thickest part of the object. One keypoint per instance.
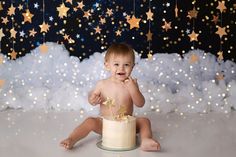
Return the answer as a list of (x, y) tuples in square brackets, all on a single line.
[(38, 133)]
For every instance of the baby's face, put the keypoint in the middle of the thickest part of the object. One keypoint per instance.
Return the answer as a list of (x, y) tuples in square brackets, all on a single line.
[(120, 66)]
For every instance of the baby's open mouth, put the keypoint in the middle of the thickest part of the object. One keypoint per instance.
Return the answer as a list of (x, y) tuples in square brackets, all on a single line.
[(120, 73)]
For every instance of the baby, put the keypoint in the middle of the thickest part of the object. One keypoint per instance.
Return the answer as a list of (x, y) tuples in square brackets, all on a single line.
[(120, 86)]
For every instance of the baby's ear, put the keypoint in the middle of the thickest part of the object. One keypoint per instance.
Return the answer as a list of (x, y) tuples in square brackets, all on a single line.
[(106, 66)]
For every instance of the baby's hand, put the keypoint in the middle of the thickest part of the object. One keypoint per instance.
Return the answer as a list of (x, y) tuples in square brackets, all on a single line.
[(131, 83), (95, 99)]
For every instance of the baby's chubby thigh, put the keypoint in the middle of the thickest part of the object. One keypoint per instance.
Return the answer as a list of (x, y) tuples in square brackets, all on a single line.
[(95, 124)]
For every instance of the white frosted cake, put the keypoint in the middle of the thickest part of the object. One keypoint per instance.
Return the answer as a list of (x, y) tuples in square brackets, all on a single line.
[(119, 133)]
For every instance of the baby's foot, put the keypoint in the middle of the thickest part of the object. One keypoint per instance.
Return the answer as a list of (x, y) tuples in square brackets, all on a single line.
[(149, 144), (68, 143)]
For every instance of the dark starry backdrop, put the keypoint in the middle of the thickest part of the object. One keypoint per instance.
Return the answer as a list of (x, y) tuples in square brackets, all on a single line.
[(90, 26)]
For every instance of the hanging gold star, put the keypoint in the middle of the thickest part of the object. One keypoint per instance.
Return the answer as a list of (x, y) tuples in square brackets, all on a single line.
[(176, 11), (102, 20), (87, 14), (13, 54), (215, 19), (149, 15), (109, 12), (1, 8), (149, 56), (13, 33), (27, 16), (193, 36), (69, 1), (127, 17), (1, 60), (43, 48), (193, 58), (97, 30), (5, 20), (167, 26), (62, 10), (2, 83), (192, 13), (118, 33), (219, 76), (149, 35), (220, 56), (20, 7), (11, 10), (44, 27), (80, 5), (134, 22), (221, 6), (221, 31), (1, 34), (32, 32)]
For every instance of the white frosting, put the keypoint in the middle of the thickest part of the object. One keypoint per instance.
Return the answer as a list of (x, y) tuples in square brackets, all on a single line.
[(119, 134)]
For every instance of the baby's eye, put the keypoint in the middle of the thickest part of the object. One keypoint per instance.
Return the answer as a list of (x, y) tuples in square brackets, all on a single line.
[(116, 64), (127, 65)]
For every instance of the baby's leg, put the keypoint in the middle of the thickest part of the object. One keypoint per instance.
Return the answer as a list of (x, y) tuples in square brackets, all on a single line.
[(90, 124), (147, 142)]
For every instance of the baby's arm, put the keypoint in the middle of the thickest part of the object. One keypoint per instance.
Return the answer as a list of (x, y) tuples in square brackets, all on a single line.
[(136, 95), (94, 96)]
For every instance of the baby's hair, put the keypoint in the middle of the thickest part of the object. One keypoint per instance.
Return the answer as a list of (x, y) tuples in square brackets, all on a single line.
[(119, 49)]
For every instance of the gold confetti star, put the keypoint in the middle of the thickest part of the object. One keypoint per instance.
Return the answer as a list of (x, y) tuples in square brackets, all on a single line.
[(13, 54), (109, 102), (134, 22), (43, 48), (27, 16), (87, 14), (2, 83), (167, 26), (220, 56), (149, 35), (109, 12), (44, 27), (11, 10), (32, 32), (121, 111), (80, 5), (149, 15), (118, 33), (193, 36), (62, 10), (1, 34), (193, 58), (97, 30), (221, 31), (13, 33), (221, 6), (5, 20), (192, 13)]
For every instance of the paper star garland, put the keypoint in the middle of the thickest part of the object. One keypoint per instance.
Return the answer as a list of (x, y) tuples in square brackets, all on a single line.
[(149, 35), (43, 48), (27, 16), (221, 6), (221, 31), (44, 27), (149, 15), (193, 36), (134, 22), (167, 26), (1, 34), (13, 54), (62, 10)]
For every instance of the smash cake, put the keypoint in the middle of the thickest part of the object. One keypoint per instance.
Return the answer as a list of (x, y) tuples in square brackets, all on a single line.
[(118, 131)]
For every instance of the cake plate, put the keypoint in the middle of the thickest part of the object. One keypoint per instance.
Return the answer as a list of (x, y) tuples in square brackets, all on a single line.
[(99, 145)]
